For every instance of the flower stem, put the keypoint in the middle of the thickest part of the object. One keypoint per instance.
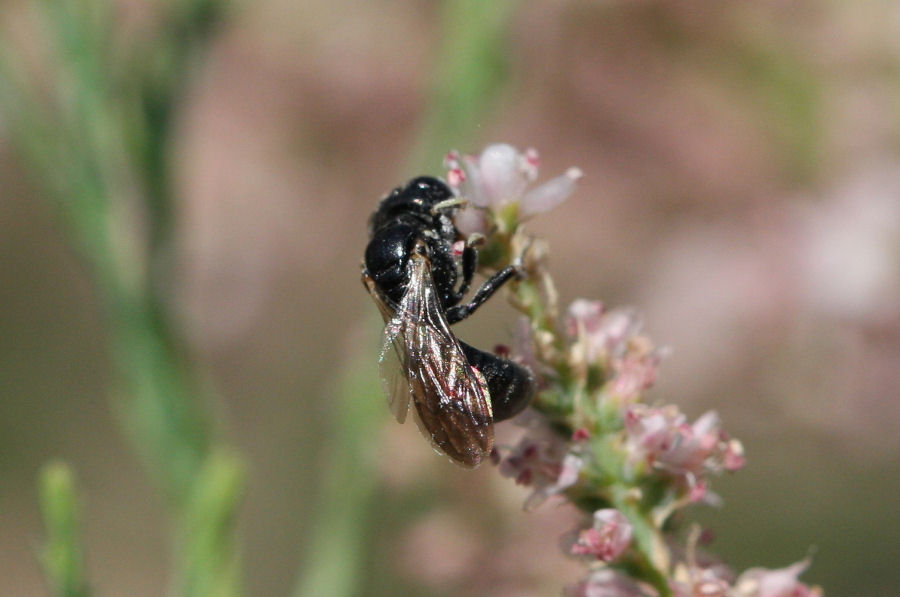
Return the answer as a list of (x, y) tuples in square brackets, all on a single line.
[(469, 73), (334, 550), (100, 143), (209, 555), (62, 556), (649, 556)]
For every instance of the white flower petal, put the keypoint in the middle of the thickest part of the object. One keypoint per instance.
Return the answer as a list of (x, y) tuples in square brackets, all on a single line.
[(502, 173), (550, 194), (708, 423), (472, 187), (471, 220)]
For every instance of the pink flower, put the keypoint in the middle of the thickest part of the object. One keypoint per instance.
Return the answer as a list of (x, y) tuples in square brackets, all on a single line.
[(580, 435), (541, 460), (651, 431), (733, 458), (501, 176), (607, 539), (760, 582), (606, 582), (702, 583), (523, 348), (662, 438), (611, 338), (691, 445), (604, 333), (635, 373)]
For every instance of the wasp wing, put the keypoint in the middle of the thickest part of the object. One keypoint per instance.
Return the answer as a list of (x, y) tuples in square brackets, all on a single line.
[(452, 404), (392, 362)]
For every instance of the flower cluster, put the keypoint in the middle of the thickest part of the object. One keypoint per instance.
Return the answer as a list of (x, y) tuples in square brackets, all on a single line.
[(542, 460), (707, 582), (590, 436), (609, 340), (661, 438), (607, 539)]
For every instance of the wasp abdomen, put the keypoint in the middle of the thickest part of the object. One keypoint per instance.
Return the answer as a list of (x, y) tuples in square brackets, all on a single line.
[(511, 386)]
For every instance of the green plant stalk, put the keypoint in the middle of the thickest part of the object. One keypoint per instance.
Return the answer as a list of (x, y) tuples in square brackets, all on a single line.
[(209, 559), (649, 546), (163, 413), (101, 153), (163, 407), (334, 550), (469, 74), (62, 556)]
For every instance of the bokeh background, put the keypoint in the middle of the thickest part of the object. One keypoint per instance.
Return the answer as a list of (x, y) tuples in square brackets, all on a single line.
[(741, 189)]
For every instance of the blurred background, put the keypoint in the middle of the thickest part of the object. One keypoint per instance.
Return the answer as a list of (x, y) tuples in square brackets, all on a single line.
[(741, 189)]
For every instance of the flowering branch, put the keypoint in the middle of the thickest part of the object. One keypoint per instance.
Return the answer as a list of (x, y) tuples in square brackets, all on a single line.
[(99, 139), (591, 438)]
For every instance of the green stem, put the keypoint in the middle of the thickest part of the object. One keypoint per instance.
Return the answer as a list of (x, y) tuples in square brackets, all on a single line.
[(163, 406), (101, 146), (469, 74), (650, 555), (209, 557), (62, 556), (335, 548)]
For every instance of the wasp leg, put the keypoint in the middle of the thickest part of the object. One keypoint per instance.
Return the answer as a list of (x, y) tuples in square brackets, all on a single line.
[(487, 289), (469, 265)]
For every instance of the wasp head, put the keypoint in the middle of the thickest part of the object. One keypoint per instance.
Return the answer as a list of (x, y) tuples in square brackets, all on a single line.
[(415, 202)]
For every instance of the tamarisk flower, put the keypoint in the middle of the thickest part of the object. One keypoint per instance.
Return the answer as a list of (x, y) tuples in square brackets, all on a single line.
[(591, 438), (501, 175), (705, 582), (497, 183), (607, 538), (756, 582), (784, 582), (609, 339), (662, 439), (541, 460), (606, 582), (600, 333)]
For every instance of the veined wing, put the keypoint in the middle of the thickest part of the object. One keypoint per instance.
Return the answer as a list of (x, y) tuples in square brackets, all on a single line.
[(392, 362), (451, 399)]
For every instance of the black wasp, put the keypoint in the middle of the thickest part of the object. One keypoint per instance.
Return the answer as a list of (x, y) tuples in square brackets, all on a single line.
[(411, 270)]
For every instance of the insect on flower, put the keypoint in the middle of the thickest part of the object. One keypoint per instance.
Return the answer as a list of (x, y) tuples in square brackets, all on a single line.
[(411, 268)]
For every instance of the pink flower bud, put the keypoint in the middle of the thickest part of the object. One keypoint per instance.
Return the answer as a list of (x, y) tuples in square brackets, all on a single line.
[(607, 539)]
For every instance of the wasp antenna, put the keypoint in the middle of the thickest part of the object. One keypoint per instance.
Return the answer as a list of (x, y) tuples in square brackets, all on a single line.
[(449, 203)]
